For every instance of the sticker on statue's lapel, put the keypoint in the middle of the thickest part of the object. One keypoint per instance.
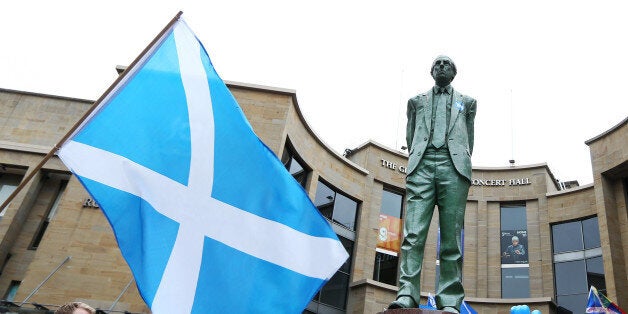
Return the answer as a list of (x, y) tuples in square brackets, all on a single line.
[(459, 105)]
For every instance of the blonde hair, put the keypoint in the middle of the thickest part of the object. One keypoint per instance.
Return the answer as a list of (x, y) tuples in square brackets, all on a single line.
[(69, 308)]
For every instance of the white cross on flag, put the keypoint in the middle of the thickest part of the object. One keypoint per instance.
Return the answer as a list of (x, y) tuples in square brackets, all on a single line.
[(206, 216)]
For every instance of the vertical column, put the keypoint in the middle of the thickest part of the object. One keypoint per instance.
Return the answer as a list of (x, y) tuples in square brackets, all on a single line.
[(493, 257), (534, 249), (482, 251), (547, 268), (470, 266)]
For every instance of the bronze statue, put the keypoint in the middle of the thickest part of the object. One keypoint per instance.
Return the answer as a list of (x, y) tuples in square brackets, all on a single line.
[(440, 139)]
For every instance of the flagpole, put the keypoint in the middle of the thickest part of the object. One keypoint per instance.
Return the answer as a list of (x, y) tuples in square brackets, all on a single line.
[(89, 112)]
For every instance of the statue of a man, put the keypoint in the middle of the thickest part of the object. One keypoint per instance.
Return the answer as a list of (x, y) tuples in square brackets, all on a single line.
[(440, 139)]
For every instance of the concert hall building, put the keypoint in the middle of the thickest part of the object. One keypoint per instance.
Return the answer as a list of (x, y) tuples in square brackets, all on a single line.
[(56, 245)]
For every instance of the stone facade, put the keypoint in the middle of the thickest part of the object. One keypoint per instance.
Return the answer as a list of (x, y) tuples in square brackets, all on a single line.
[(609, 158), (79, 242)]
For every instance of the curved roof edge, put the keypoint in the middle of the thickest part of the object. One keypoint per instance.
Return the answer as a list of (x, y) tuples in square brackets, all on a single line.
[(539, 165), (380, 146), (264, 88), (611, 130), (45, 95), (572, 190), (293, 94)]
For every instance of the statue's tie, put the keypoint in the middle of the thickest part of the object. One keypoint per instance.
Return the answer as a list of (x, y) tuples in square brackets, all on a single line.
[(440, 121)]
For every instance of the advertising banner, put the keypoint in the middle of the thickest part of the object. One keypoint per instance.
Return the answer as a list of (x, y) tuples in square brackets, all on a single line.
[(514, 246), (389, 235)]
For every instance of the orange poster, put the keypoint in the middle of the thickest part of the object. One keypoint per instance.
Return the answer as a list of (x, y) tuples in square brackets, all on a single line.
[(388, 235)]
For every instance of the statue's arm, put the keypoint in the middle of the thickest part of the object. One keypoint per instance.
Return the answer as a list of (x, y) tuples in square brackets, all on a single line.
[(410, 112), (470, 124)]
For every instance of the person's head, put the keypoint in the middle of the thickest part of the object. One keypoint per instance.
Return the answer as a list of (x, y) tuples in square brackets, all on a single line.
[(515, 240), (75, 308), (443, 70)]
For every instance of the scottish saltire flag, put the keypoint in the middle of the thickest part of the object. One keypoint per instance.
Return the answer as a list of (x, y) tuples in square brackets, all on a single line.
[(204, 213)]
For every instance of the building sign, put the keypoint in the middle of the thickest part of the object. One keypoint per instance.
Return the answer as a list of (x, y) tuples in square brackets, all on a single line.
[(502, 182), (388, 236), (393, 166), (475, 182)]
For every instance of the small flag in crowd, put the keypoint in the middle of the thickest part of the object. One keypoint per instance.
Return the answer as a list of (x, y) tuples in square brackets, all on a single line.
[(598, 303)]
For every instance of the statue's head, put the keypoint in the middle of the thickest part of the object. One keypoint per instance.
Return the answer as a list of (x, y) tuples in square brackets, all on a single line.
[(443, 70)]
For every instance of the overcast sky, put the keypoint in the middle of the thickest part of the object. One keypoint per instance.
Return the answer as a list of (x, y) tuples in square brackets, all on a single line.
[(548, 75)]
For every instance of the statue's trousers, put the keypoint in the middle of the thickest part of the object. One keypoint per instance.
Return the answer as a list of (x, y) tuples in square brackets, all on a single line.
[(434, 182)]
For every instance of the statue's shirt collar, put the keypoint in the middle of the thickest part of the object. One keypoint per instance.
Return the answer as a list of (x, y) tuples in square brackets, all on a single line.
[(447, 89)]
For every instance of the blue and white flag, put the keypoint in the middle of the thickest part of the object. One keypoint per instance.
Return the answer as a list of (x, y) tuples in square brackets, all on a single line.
[(594, 303), (206, 216), (465, 308), (431, 301)]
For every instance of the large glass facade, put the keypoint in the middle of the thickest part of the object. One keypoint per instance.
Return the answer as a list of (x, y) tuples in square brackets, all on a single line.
[(578, 262), (388, 238), (514, 251), (341, 210), (56, 182)]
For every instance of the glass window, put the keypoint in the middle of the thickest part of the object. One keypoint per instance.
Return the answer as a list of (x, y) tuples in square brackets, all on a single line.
[(388, 238), (570, 277), (513, 217), (334, 293), (576, 303), (336, 206), (385, 269), (324, 200), (9, 295), (391, 204), (595, 273), (578, 263), (591, 233), (344, 211), (341, 210), (52, 210), (295, 167), (567, 237), (516, 282), (348, 244), (8, 183)]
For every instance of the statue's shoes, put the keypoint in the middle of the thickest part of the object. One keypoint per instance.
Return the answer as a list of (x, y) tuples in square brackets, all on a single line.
[(402, 302)]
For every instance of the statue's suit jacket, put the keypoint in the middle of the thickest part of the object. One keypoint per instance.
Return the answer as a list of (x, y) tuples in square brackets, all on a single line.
[(459, 133)]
